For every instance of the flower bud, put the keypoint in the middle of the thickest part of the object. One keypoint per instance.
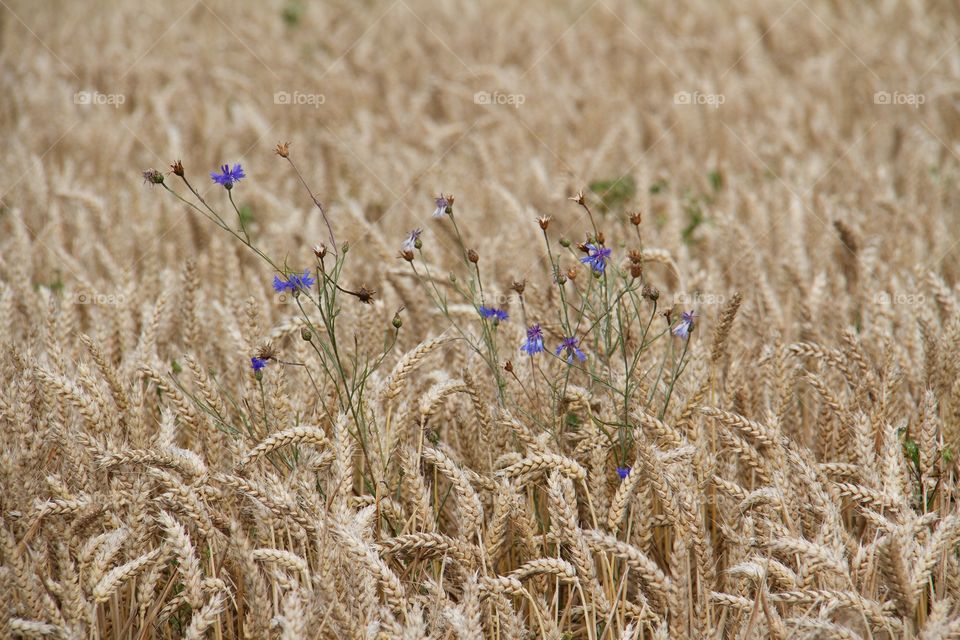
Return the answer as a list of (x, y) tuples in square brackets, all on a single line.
[(152, 176), (564, 243), (306, 334)]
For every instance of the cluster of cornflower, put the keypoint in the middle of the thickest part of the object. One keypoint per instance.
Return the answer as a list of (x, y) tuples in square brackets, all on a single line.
[(597, 257)]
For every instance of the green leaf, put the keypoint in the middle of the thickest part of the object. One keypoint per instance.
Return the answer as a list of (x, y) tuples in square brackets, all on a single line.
[(175, 367), (246, 215), (292, 13), (658, 186), (695, 219), (716, 179), (614, 193)]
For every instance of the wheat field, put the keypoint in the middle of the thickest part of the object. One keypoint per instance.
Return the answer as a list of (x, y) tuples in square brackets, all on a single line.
[(678, 355)]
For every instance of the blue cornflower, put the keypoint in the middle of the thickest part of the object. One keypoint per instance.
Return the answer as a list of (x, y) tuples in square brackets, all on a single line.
[(597, 257), (493, 312), (623, 472), (228, 176), (442, 203), (293, 282), (683, 329), (411, 242), (258, 363), (534, 342), (570, 346)]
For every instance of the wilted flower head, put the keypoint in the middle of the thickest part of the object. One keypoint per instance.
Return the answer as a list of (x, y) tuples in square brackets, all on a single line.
[(623, 472), (544, 222), (570, 346), (177, 168), (412, 240), (493, 312), (685, 326), (443, 203), (283, 149), (365, 295), (534, 341), (293, 282), (227, 176), (597, 257), (519, 286)]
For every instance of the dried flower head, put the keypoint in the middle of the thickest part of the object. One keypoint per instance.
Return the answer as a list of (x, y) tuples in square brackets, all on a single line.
[(635, 256), (636, 218), (265, 351), (177, 168), (578, 198), (650, 292), (519, 286), (320, 250), (544, 222), (283, 149), (365, 295), (508, 366), (572, 273), (473, 256)]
